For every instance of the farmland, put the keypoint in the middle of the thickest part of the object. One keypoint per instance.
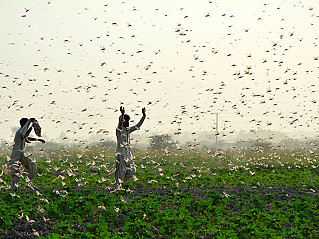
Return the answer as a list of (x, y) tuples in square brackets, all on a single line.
[(185, 193)]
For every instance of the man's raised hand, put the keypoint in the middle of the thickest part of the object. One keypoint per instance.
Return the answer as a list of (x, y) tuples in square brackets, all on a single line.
[(41, 140), (122, 110)]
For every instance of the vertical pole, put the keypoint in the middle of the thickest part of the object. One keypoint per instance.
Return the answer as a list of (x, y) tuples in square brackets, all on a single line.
[(216, 130)]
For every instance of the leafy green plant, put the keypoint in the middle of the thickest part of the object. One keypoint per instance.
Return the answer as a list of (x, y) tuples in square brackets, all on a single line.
[(183, 194)]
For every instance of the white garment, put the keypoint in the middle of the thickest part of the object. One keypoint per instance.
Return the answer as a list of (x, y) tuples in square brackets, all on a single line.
[(19, 142), (17, 157), (124, 164)]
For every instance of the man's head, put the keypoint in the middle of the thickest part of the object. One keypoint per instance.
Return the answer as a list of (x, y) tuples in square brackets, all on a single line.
[(126, 121), (23, 121)]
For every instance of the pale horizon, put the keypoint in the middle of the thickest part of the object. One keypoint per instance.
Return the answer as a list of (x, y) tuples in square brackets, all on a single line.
[(71, 64)]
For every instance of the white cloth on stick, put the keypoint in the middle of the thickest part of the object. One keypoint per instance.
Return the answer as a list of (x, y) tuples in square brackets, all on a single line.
[(37, 128)]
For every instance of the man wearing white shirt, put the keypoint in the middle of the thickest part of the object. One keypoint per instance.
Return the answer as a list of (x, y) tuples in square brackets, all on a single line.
[(12, 167), (124, 164)]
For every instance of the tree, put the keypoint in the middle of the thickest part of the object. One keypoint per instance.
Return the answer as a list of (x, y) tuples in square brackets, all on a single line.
[(261, 145), (159, 142), (108, 144)]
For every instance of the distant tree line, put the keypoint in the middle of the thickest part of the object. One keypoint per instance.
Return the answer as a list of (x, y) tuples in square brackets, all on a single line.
[(161, 141)]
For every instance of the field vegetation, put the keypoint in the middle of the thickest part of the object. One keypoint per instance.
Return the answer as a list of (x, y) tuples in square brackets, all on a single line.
[(182, 192)]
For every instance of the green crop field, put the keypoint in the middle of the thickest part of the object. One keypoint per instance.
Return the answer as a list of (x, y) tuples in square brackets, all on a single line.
[(180, 194)]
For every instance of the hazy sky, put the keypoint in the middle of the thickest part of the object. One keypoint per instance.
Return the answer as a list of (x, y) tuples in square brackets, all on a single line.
[(72, 63)]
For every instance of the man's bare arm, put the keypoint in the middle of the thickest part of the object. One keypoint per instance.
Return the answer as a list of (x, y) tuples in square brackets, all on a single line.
[(139, 124), (28, 132), (34, 139), (121, 117), (26, 127)]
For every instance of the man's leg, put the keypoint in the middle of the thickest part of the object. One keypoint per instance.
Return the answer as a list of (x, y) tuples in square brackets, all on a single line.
[(13, 168), (15, 181), (119, 172), (30, 167), (130, 171), (127, 178)]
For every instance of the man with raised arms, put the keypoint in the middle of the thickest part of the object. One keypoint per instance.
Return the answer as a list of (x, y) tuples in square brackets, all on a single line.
[(124, 164)]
